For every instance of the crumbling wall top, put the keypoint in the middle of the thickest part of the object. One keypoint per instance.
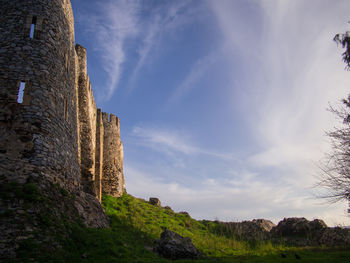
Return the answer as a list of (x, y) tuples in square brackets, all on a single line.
[(110, 119), (82, 58)]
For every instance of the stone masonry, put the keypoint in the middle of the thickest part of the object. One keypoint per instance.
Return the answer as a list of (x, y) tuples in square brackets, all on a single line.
[(101, 150), (112, 175), (50, 126), (38, 135), (51, 133)]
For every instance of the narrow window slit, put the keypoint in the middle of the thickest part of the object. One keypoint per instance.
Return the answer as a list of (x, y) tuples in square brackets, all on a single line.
[(65, 110), (66, 62), (32, 28), (20, 95)]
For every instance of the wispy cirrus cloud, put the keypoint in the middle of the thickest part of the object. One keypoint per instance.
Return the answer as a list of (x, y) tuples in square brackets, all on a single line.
[(282, 56), (112, 24), (163, 140), (163, 20), (291, 70), (222, 198), (116, 24), (198, 70), (172, 142)]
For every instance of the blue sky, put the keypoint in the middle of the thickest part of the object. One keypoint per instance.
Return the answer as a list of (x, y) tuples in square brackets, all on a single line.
[(222, 103)]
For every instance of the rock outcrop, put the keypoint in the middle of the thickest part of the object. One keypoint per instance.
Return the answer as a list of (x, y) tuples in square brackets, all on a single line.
[(302, 232), (266, 225), (39, 211), (257, 229), (335, 236), (154, 201), (291, 231), (173, 246), (298, 227), (90, 210), (184, 213)]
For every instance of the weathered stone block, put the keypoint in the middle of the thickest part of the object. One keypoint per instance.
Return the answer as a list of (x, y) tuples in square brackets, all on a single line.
[(154, 201), (173, 246)]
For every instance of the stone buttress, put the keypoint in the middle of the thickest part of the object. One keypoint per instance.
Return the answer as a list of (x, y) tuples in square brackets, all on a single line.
[(99, 155), (113, 179), (87, 124)]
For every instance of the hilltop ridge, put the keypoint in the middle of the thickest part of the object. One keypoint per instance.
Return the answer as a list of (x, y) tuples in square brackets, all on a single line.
[(135, 224)]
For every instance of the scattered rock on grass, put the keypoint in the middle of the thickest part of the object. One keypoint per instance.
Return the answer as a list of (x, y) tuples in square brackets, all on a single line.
[(266, 225), (154, 201), (173, 246), (335, 236), (298, 227), (168, 208), (184, 213)]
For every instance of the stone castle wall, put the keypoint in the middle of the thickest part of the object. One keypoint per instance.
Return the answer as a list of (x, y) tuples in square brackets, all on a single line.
[(51, 132), (55, 132), (101, 150), (39, 134), (99, 155), (112, 180), (87, 123)]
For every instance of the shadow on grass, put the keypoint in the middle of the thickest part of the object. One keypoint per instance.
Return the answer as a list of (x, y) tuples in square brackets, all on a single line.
[(134, 226)]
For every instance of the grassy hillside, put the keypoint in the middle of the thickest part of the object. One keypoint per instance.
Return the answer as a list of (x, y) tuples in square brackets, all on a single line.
[(135, 224)]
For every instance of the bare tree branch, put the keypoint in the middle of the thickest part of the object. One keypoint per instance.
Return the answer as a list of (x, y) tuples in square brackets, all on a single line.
[(335, 171)]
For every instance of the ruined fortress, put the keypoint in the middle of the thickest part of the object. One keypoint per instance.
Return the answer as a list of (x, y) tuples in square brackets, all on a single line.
[(49, 124)]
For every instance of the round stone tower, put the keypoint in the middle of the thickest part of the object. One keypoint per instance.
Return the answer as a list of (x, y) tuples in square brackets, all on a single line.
[(38, 97)]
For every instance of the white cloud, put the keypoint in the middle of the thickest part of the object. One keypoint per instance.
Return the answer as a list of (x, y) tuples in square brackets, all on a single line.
[(200, 67), (164, 20), (112, 24), (237, 194), (302, 73), (291, 70), (218, 199), (163, 140), (172, 142)]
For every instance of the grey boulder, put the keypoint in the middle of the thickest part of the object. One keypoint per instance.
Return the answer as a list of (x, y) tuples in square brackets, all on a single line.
[(173, 246)]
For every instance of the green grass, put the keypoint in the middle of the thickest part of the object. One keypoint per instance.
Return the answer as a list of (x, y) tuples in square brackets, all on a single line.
[(209, 237), (135, 225)]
